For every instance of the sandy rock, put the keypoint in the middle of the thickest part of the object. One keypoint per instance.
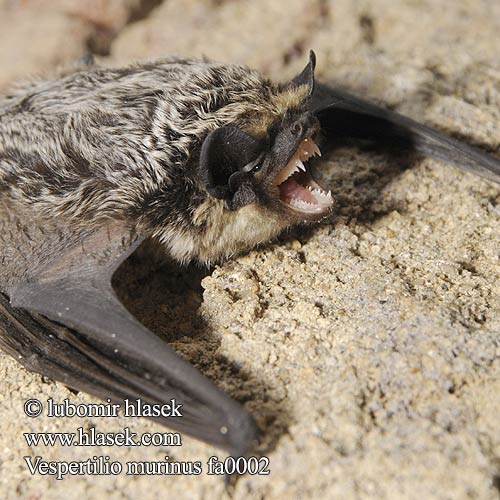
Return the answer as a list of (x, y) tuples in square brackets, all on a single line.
[(39, 35), (264, 35), (32, 43), (367, 347)]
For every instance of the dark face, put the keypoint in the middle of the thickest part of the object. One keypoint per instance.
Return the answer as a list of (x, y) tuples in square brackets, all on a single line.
[(272, 171), (284, 180)]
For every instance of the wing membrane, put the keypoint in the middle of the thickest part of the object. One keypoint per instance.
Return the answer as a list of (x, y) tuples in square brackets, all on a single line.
[(344, 115)]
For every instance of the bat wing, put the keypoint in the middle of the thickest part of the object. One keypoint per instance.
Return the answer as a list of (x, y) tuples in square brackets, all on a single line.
[(344, 115), (64, 320)]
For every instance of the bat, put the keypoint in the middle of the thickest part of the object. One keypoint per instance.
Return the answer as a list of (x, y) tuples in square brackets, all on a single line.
[(205, 159)]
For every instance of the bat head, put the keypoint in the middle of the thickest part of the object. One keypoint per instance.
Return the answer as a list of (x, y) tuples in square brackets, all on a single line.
[(266, 161)]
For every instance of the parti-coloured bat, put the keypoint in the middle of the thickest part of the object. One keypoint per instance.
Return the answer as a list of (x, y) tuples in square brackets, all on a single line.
[(207, 160)]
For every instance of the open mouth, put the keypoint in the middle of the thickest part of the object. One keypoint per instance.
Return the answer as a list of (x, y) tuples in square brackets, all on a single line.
[(297, 188)]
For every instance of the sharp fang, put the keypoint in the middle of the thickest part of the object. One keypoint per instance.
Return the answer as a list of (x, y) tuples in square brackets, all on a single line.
[(301, 165), (306, 150)]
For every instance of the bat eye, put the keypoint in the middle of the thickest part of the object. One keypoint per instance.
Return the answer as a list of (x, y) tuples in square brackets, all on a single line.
[(256, 168), (297, 128)]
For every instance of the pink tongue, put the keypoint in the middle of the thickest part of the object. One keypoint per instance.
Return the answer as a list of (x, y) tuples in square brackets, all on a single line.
[(292, 189)]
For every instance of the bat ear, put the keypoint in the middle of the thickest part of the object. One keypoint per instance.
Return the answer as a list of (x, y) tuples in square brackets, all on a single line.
[(307, 75), (227, 153)]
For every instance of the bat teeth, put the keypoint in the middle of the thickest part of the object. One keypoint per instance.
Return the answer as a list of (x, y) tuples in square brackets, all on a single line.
[(322, 199), (293, 169), (319, 192), (300, 165), (306, 150), (287, 172), (301, 203), (318, 207), (326, 196)]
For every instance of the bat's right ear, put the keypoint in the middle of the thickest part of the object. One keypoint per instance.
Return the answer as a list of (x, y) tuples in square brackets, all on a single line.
[(226, 151), (306, 77)]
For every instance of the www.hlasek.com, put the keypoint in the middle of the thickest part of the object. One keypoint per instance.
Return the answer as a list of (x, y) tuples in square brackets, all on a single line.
[(103, 465)]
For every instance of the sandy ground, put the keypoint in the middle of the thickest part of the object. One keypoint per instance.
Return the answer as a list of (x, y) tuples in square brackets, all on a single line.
[(367, 347)]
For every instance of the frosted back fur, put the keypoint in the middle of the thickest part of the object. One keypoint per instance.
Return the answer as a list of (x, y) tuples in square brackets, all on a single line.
[(99, 143)]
